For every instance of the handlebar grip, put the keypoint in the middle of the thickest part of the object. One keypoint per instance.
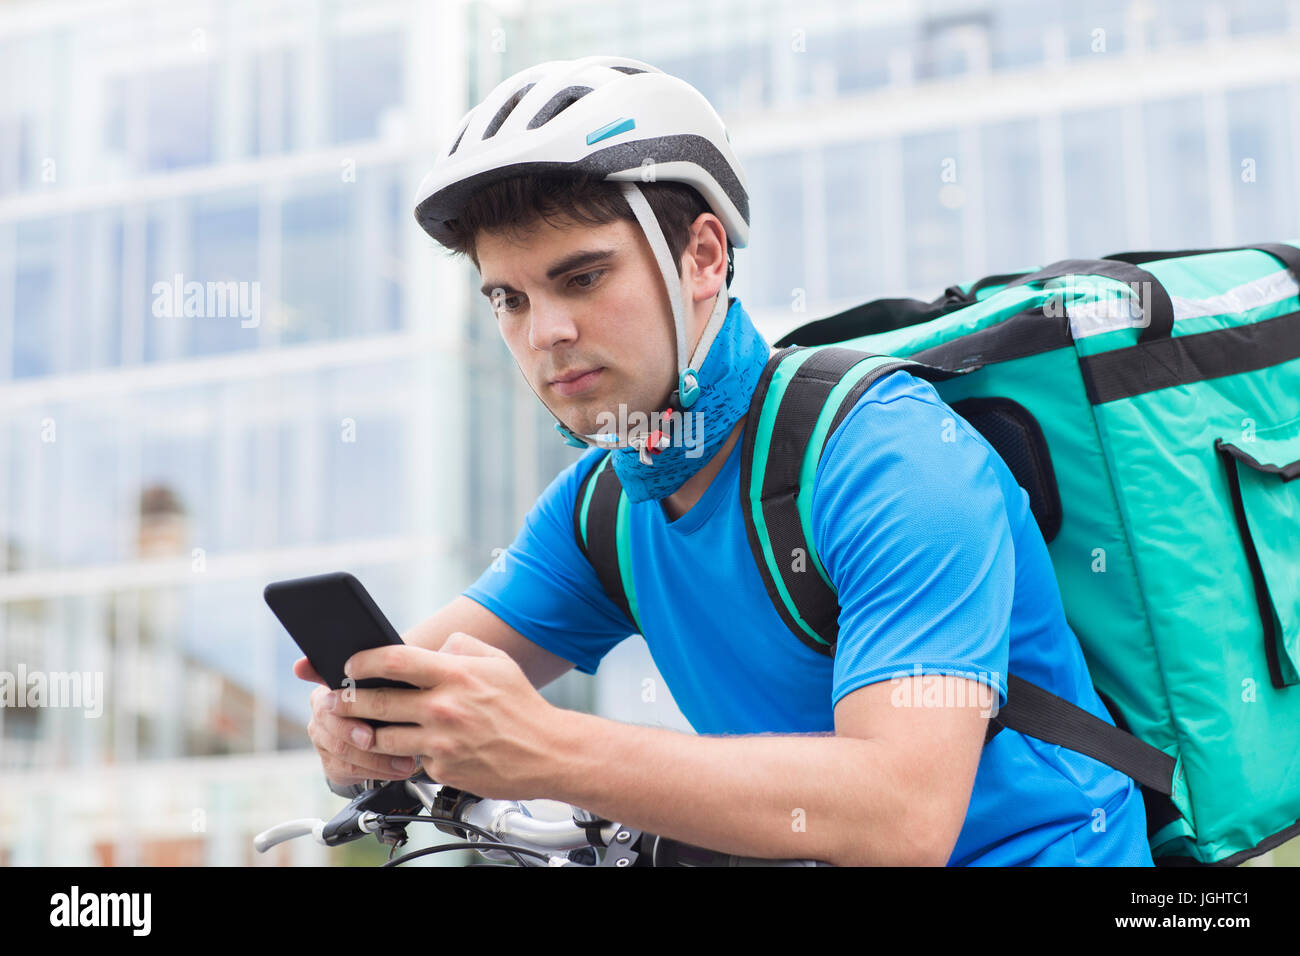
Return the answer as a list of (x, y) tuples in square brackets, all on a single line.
[(666, 852)]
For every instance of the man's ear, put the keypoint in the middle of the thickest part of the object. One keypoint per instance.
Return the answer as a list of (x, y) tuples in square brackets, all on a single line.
[(706, 251)]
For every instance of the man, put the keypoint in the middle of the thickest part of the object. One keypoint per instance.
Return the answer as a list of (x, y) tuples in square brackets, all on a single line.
[(600, 200)]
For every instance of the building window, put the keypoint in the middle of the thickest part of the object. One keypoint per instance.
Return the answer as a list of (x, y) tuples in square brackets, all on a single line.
[(273, 87), (365, 84), (1095, 203), (775, 261), (855, 229), (1261, 164), (1177, 173), (317, 271), (935, 189), (1012, 194), (161, 120)]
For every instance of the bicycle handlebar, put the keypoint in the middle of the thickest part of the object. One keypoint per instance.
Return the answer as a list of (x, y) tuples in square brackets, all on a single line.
[(288, 830), (498, 830)]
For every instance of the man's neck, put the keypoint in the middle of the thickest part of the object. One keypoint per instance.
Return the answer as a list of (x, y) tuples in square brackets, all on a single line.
[(684, 498)]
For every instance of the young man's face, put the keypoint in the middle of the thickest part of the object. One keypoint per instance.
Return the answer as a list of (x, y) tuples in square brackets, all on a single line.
[(573, 299)]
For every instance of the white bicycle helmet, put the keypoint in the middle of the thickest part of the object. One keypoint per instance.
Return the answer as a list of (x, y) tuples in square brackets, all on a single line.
[(621, 120)]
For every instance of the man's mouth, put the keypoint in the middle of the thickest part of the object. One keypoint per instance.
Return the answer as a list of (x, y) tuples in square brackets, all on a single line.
[(571, 383)]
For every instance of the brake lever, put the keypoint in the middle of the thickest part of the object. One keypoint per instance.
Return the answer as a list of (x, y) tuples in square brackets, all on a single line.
[(393, 797)]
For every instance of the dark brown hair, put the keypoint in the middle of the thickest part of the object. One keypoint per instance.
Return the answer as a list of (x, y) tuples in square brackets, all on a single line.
[(515, 204)]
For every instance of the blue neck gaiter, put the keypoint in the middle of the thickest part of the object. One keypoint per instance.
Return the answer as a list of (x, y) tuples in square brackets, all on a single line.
[(727, 380)]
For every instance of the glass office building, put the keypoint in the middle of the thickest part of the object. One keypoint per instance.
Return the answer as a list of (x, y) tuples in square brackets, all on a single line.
[(228, 355)]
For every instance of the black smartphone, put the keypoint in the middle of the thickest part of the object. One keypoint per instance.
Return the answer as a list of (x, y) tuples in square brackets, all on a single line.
[(331, 617)]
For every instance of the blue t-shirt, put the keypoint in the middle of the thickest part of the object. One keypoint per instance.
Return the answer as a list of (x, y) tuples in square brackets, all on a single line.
[(940, 569)]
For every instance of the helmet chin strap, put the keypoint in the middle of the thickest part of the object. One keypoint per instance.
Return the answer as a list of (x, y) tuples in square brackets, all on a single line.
[(687, 389)]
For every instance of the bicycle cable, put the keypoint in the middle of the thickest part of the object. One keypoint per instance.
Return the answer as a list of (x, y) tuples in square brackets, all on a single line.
[(451, 821), (430, 850)]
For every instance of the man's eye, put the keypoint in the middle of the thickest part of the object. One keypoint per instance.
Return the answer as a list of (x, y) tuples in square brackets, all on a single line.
[(503, 302), (593, 276)]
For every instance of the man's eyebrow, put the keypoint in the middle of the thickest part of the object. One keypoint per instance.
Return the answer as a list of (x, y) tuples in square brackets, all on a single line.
[(570, 262)]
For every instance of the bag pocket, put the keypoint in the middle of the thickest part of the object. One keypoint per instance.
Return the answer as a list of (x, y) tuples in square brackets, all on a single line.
[(1262, 472)]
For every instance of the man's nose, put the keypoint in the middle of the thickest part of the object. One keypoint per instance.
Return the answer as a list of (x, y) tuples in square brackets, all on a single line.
[(549, 325)]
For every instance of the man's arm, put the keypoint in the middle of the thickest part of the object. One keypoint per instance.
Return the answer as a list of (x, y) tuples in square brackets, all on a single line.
[(466, 614), (891, 787)]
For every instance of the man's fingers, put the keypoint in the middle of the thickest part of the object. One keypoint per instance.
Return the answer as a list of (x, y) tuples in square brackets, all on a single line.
[(303, 670), (393, 705), (357, 735), (341, 757), (336, 768), (350, 741), (405, 662), (401, 740)]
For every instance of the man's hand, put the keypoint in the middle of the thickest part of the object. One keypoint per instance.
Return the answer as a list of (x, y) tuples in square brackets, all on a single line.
[(479, 724), (346, 746)]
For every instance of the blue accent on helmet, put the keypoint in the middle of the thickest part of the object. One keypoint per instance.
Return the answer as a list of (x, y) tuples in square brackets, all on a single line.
[(610, 129)]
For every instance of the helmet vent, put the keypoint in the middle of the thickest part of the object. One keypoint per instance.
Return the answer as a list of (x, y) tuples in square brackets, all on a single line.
[(558, 104), (459, 137), (506, 108), (627, 69)]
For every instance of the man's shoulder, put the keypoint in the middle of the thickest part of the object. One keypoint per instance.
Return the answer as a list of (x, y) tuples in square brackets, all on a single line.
[(898, 386), (899, 417), (903, 462)]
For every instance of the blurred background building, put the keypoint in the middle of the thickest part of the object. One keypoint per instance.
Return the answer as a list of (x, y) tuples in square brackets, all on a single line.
[(337, 395)]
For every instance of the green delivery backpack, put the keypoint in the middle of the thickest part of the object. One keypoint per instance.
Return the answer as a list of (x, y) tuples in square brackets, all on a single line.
[(1149, 405)]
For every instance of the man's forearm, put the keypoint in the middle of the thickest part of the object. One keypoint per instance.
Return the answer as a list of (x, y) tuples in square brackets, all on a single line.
[(467, 615), (821, 797)]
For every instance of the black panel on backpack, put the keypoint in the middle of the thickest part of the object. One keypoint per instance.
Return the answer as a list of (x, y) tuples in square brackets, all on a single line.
[(1017, 438)]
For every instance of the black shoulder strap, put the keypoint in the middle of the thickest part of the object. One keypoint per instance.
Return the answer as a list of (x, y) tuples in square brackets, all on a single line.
[(805, 600), (1036, 712), (595, 527)]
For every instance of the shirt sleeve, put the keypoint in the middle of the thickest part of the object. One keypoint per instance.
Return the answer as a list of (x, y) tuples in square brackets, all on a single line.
[(545, 588), (910, 523)]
